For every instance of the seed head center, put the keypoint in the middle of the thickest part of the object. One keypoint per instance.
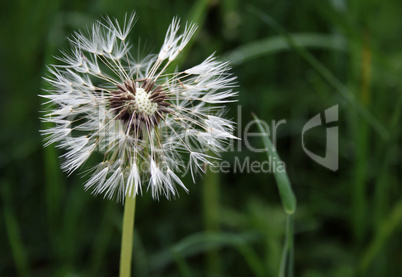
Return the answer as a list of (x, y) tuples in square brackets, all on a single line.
[(143, 103)]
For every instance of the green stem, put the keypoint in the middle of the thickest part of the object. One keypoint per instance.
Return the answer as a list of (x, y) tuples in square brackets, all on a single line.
[(290, 233), (211, 219), (127, 237), (286, 266)]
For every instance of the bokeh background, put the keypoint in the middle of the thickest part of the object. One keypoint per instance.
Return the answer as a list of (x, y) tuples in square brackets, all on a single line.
[(293, 60)]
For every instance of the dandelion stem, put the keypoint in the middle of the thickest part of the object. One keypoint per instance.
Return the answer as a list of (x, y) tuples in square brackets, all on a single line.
[(127, 237)]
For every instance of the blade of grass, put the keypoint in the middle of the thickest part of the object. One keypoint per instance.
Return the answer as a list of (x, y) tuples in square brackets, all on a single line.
[(383, 178), (288, 202), (325, 74), (387, 227), (198, 243), (141, 266), (362, 58), (198, 12), (285, 190), (102, 241), (211, 218), (69, 245), (13, 233), (182, 265), (273, 45), (382, 200)]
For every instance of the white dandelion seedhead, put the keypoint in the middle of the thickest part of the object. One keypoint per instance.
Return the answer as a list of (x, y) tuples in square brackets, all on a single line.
[(148, 124)]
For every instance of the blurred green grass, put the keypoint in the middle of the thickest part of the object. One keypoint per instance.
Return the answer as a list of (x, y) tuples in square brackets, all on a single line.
[(348, 223)]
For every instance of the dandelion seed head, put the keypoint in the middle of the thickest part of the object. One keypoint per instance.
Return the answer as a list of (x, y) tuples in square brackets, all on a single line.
[(150, 125)]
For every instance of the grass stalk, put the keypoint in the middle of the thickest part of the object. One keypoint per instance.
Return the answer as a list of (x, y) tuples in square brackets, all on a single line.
[(101, 241), (389, 225), (384, 178), (211, 218), (18, 250), (286, 266), (362, 137), (286, 194)]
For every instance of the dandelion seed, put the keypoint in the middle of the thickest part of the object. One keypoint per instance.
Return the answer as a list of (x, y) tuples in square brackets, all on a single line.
[(149, 124)]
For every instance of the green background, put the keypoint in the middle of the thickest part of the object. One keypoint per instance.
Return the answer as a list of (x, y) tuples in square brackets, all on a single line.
[(293, 60)]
